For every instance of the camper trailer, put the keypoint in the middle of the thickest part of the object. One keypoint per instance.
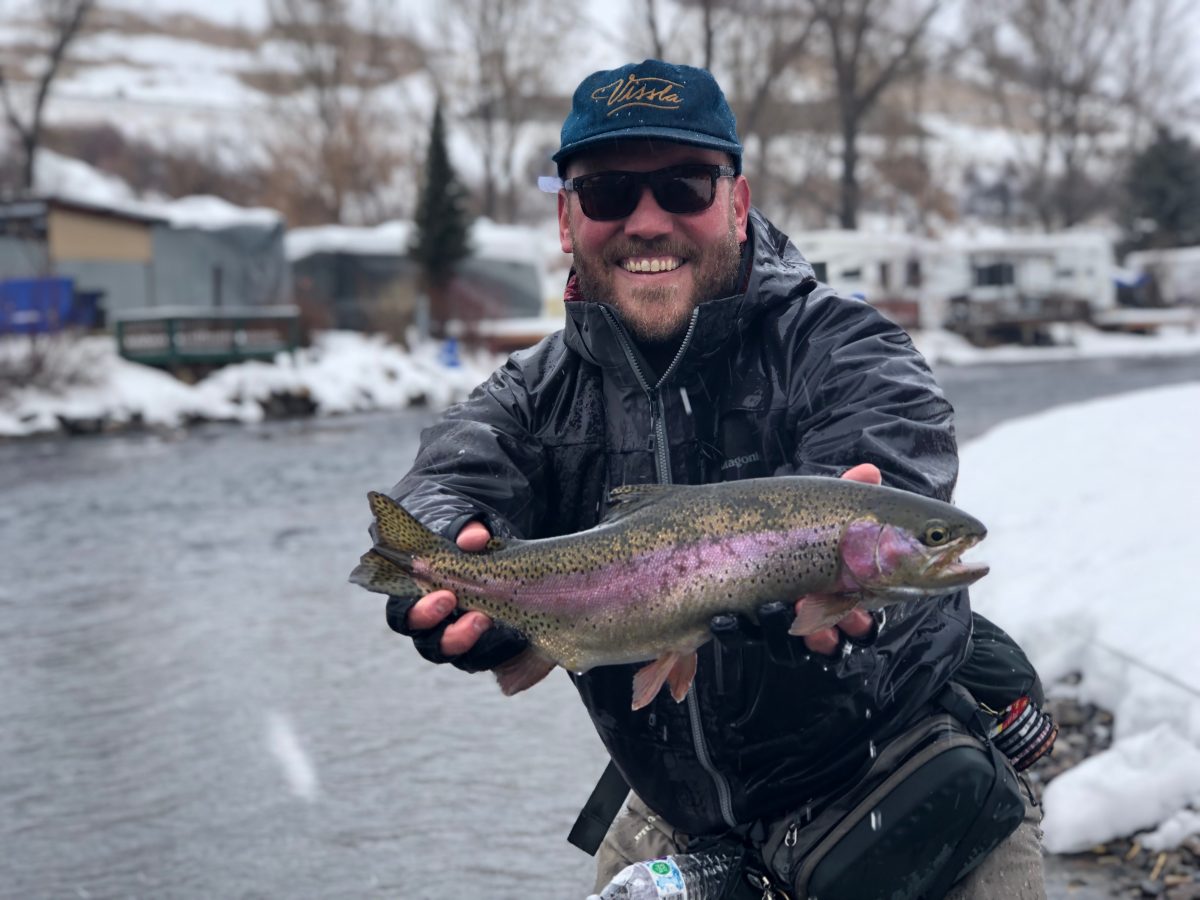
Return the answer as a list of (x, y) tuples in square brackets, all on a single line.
[(905, 277), (1017, 287)]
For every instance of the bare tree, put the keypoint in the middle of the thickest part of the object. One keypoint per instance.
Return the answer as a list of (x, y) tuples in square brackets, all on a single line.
[(61, 22), (798, 70), (1072, 80), (1157, 79), (332, 148), (871, 44), (757, 48), (496, 57), (652, 28), (701, 23), (766, 47)]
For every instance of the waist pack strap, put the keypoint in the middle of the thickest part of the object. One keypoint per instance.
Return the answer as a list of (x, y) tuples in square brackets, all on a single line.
[(598, 813), (959, 704)]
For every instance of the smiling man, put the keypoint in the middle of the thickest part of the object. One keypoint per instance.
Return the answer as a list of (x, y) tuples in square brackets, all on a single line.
[(699, 347), (652, 266)]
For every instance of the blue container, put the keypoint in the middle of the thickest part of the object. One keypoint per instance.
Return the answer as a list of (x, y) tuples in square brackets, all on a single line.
[(36, 305)]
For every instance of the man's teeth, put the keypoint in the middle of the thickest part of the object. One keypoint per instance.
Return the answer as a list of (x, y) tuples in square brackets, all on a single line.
[(660, 264)]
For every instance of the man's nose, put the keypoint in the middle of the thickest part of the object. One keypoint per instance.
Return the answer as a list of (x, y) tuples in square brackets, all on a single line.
[(648, 219)]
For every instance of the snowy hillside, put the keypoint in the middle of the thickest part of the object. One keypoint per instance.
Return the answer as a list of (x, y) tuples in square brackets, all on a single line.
[(208, 76)]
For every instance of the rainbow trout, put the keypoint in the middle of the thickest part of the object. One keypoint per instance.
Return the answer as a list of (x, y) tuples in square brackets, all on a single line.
[(642, 585)]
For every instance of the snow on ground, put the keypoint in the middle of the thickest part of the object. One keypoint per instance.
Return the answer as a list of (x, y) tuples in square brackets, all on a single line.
[(1092, 540), (342, 372), (1075, 342), (1090, 510), (350, 372)]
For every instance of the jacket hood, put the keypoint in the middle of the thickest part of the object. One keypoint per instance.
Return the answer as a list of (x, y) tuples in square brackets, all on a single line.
[(777, 274)]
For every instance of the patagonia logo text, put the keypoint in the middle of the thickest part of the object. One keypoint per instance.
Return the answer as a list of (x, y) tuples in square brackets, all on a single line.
[(657, 93), (739, 461)]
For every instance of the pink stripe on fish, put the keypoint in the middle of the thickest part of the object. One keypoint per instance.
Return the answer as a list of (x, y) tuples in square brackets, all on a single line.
[(628, 582)]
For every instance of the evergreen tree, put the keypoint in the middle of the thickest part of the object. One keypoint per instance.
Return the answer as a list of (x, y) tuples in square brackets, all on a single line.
[(441, 235), (1164, 194)]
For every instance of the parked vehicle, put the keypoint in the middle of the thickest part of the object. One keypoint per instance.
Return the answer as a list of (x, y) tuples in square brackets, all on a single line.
[(1018, 287)]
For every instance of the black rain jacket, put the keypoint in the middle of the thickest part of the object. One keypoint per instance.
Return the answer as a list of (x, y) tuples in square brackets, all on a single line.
[(785, 378)]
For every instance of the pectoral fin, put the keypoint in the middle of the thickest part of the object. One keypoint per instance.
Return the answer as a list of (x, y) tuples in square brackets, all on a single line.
[(817, 611), (523, 671), (673, 668)]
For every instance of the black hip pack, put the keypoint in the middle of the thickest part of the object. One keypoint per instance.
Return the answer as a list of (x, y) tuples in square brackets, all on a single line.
[(936, 799)]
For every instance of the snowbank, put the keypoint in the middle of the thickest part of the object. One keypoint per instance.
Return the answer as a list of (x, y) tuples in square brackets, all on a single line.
[(342, 372), (1091, 539)]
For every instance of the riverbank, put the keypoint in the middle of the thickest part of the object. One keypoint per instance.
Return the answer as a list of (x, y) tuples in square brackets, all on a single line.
[(82, 387)]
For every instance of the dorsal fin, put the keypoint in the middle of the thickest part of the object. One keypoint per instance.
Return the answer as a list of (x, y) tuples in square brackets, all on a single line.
[(625, 499)]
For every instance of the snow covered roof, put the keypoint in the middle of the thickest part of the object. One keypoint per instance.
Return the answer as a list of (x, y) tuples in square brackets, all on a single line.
[(73, 182), (213, 213), (390, 237), (489, 239)]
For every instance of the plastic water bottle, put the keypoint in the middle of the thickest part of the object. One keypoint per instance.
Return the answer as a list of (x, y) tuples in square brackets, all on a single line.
[(685, 876)]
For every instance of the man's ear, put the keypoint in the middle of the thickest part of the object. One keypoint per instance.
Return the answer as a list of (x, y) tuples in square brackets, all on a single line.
[(741, 205), (564, 222)]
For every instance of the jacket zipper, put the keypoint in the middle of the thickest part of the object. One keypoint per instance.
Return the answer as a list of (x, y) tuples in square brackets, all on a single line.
[(662, 466)]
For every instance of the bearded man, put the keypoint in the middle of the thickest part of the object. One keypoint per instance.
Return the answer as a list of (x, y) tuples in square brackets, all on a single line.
[(699, 347)]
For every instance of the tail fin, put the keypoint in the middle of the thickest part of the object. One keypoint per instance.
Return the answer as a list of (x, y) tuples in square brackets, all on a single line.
[(398, 534), (383, 576), (386, 568)]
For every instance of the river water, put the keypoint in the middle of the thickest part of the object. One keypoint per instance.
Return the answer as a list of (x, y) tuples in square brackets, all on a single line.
[(194, 703)]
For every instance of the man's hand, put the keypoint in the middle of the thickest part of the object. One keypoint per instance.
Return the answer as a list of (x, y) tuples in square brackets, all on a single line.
[(429, 612), (856, 624)]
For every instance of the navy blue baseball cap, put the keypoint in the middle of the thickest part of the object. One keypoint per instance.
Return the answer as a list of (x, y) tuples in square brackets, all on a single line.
[(650, 99)]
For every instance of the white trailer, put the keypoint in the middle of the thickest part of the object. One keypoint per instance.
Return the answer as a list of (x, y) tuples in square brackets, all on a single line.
[(905, 276), (1015, 287)]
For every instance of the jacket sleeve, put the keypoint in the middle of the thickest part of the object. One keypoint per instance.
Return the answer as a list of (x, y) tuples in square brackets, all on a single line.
[(480, 461), (860, 392)]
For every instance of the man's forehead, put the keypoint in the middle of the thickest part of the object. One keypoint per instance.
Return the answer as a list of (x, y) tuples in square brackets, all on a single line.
[(642, 155)]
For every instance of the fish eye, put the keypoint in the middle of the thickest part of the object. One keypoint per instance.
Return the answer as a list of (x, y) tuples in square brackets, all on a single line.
[(936, 534)]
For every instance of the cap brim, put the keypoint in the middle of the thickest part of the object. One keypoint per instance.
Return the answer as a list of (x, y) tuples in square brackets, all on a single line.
[(674, 135)]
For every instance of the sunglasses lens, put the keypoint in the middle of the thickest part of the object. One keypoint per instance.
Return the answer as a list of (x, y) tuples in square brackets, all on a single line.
[(685, 193), (608, 196)]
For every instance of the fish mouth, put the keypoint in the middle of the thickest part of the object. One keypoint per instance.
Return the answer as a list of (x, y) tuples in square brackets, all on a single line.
[(943, 567)]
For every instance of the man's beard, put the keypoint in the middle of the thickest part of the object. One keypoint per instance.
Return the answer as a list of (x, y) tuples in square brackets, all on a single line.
[(659, 315)]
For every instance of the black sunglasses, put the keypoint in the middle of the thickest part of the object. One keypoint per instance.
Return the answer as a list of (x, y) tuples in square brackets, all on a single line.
[(679, 190)]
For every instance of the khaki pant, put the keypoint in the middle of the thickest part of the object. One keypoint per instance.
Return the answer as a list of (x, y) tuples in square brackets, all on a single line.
[(1013, 871)]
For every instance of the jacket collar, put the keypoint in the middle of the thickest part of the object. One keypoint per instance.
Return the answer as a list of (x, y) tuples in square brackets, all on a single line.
[(778, 274)]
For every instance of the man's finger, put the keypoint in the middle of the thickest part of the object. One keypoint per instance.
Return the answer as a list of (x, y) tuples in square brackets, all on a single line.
[(826, 641), (460, 636), (867, 473), (857, 623), (430, 610), (473, 537)]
